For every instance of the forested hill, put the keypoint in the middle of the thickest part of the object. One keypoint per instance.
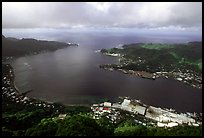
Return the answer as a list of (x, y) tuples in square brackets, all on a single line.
[(20, 47), (157, 55), (192, 50)]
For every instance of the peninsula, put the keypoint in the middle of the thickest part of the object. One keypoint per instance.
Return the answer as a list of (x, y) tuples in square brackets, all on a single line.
[(182, 62), (13, 47)]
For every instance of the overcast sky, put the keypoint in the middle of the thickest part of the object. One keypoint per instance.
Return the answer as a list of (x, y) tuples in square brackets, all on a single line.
[(142, 15)]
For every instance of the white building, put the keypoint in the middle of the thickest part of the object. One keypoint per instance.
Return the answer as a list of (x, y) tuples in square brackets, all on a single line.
[(179, 79), (171, 124), (126, 105), (25, 98), (139, 110), (116, 105), (125, 102), (107, 104), (163, 118)]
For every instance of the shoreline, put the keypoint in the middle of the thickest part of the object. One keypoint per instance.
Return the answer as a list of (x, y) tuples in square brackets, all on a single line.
[(152, 113), (14, 85), (148, 75), (37, 100), (32, 99)]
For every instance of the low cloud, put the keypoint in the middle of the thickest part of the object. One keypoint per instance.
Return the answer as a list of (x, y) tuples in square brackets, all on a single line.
[(102, 15)]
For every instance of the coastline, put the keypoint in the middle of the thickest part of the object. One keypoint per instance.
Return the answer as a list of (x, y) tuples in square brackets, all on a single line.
[(152, 76), (192, 80), (22, 95), (16, 88)]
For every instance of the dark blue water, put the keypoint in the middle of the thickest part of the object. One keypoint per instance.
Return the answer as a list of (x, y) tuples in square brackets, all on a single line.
[(72, 75)]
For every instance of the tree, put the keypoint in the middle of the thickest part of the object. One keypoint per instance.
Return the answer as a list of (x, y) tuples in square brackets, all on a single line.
[(79, 126), (47, 127)]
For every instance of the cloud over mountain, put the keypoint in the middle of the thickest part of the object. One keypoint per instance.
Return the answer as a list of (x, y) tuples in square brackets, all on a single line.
[(102, 14)]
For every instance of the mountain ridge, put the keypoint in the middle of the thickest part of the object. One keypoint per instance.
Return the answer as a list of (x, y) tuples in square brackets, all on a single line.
[(21, 47)]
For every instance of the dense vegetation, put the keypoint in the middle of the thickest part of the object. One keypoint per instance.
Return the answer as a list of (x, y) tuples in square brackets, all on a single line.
[(20, 47), (21, 119), (40, 122)]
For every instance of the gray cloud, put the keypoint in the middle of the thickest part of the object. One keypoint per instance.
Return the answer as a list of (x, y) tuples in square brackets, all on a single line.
[(79, 14)]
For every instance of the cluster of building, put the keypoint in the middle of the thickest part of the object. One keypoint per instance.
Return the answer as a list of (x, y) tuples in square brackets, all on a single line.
[(184, 75), (169, 119), (105, 109), (9, 91), (190, 78), (187, 77), (156, 116)]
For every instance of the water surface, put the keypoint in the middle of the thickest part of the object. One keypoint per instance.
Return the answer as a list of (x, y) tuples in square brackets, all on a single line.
[(72, 76)]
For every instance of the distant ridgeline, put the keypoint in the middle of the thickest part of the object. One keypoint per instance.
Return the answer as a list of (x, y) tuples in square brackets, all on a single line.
[(20, 47)]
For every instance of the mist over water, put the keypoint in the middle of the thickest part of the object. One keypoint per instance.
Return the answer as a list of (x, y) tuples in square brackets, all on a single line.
[(72, 75), (94, 37)]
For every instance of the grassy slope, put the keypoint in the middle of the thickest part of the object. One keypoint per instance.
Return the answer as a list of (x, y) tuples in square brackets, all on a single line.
[(175, 54), (156, 46)]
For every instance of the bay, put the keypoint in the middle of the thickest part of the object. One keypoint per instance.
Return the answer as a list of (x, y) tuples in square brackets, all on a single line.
[(72, 75)]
